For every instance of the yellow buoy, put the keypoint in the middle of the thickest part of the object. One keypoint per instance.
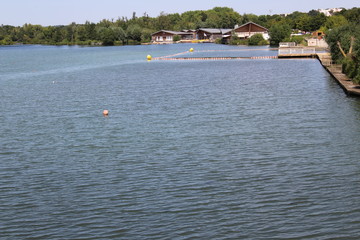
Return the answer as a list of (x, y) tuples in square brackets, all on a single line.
[(148, 57), (191, 50), (106, 112)]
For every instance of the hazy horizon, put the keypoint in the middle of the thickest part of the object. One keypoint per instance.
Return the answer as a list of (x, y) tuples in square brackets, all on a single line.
[(64, 12)]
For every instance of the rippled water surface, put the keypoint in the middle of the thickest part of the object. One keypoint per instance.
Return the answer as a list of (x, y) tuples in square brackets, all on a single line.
[(232, 149)]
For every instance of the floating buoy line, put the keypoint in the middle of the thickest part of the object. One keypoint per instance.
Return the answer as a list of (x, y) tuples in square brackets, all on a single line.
[(173, 57)]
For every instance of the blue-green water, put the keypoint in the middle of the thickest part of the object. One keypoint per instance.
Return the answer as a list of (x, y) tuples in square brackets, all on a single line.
[(234, 149)]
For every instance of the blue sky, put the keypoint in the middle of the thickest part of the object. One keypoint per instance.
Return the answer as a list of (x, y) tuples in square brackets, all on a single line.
[(62, 12)]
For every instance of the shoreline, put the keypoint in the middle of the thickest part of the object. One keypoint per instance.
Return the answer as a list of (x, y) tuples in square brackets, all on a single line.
[(335, 71)]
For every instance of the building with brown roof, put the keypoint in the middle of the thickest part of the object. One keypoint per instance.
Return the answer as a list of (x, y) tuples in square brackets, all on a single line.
[(249, 29)]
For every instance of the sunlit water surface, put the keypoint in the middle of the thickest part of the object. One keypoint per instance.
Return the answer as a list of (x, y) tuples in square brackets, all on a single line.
[(233, 149)]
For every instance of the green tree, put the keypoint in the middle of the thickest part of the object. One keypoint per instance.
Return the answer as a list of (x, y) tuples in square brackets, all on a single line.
[(71, 31), (342, 35), (263, 20), (107, 36), (293, 19), (146, 35), (163, 21), (250, 18), (304, 23), (90, 30), (174, 18), (120, 34), (81, 33), (123, 22), (193, 19), (212, 19), (335, 21), (138, 28), (134, 32), (57, 36), (356, 79), (6, 41), (344, 45), (257, 39), (317, 21), (228, 18), (39, 38), (2, 33), (313, 13), (278, 33), (105, 23), (352, 15)]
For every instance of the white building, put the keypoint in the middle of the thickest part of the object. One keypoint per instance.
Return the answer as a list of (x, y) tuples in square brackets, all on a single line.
[(330, 11), (315, 42)]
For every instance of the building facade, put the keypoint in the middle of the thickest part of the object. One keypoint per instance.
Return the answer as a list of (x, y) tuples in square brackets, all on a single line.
[(211, 34), (249, 29), (317, 40), (165, 36)]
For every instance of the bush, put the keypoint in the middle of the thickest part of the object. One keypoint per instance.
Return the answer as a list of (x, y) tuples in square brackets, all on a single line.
[(6, 41), (107, 36), (218, 41), (299, 39), (350, 63), (342, 34), (176, 38), (133, 42), (356, 79), (146, 35), (118, 43), (256, 40), (237, 41), (349, 67), (134, 32)]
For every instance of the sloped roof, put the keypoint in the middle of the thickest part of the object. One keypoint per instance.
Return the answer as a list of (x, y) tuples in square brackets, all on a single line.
[(215, 30), (188, 30), (251, 23), (171, 32)]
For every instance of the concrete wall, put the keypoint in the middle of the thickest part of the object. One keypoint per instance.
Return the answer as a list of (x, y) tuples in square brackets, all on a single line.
[(314, 42)]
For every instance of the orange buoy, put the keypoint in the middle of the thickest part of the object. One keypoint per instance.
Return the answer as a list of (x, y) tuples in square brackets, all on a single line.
[(106, 112)]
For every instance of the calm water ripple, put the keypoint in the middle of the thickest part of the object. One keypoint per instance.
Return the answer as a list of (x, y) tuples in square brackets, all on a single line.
[(239, 149)]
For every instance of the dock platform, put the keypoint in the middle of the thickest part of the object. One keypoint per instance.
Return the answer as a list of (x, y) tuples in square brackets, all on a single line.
[(298, 55), (297, 52)]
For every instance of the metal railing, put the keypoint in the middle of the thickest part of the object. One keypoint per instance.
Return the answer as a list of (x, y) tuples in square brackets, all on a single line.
[(286, 51)]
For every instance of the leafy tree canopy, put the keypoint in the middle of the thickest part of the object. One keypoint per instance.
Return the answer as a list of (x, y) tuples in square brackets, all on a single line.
[(139, 28)]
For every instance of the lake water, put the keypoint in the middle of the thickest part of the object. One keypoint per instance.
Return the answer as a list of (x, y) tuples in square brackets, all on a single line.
[(232, 149)]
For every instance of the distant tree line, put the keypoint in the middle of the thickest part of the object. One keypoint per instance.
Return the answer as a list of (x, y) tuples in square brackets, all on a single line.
[(136, 30)]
